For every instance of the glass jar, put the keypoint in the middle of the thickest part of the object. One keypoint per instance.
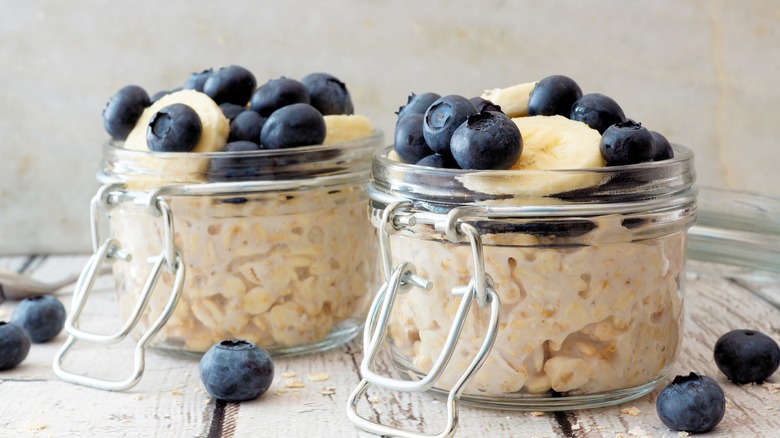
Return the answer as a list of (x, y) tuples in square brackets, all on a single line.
[(270, 246), (575, 280)]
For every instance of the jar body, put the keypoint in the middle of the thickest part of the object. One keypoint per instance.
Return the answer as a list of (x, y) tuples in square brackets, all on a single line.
[(287, 266), (591, 297)]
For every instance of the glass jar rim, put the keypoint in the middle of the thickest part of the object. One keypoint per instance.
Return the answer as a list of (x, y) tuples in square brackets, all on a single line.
[(439, 190), (146, 169)]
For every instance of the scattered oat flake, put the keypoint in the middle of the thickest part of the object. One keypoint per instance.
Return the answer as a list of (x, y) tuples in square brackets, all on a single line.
[(280, 391), (35, 425), (683, 434), (125, 421), (328, 391), (773, 388), (319, 376), (729, 405), (138, 397), (288, 374), (294, 383), (576, 426), (177, 393), (632, 411), (537, 414), (373, 400)]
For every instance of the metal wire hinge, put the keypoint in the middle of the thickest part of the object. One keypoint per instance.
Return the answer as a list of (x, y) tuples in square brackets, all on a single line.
[(401, 279), (106, 251)]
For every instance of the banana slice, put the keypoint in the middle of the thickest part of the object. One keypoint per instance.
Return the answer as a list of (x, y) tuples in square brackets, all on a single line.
[(343, 128), (512, 100), (215, 126), (172, 168), (549, 143)]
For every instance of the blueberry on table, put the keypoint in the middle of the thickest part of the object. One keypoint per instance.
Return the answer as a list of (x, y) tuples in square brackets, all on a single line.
[(231, 167), (438, 161), (627, 143), (14, 345), (488, 140), (417, 104), (278, 93), (175, 128), (442, 118), (232, 84), (483, 104), (691, 403), (663, 149), (123, 110), (747, 356), (196, 81), (328, 94), (246, 126), (236, 370), (409, 141), (293, 125), (553, 95), (231, 110), (597, 111), (42, 316)]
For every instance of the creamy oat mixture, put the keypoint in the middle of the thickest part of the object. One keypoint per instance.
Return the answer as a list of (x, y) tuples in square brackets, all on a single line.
[(573, 319), (279, 270)]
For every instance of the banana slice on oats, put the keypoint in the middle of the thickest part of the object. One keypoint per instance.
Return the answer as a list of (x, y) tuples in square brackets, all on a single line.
[(512, 100), (342, 128), (549, 143), (169, 168)]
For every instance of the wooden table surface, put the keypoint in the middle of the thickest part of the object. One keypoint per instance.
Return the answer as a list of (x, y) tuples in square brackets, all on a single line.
[(170, 400)]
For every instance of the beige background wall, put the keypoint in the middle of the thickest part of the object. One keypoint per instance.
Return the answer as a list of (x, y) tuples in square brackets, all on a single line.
[(705, 73)]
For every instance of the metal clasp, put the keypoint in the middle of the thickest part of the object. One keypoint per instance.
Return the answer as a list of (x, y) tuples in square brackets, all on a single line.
[(107, 251), (401, 280)]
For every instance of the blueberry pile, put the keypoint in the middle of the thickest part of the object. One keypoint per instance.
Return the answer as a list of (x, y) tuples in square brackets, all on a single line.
[(236, 370), (455, 132), (282, 113), (425, 132), (34, 320)]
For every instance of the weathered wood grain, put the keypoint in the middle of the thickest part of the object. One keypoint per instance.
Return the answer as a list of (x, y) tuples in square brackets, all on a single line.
[(171, 402)]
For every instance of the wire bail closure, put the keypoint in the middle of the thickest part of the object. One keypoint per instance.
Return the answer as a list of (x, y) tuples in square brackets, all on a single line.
[(108, 251), (401, 279)]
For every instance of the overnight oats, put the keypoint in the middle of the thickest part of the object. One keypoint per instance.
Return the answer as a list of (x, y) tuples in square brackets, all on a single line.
[(576, 218), (266, 190)]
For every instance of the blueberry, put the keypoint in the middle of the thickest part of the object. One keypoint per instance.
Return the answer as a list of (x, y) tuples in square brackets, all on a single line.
[(123, 110), (691, 403), (231, 110), (236, 370), (175, 128), (236, 166), (439, 161), (483, 104), (294, 125), (627, 143), (553, 95), (409, 141), (158, 95), (597, 111), (246, 126), (14, 345), (747, 356), (43, 317), (277, 93), (417, 104), (328, 94), (488, 140), (197, 80), (232, 84), (442, 118), (663, 149)]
